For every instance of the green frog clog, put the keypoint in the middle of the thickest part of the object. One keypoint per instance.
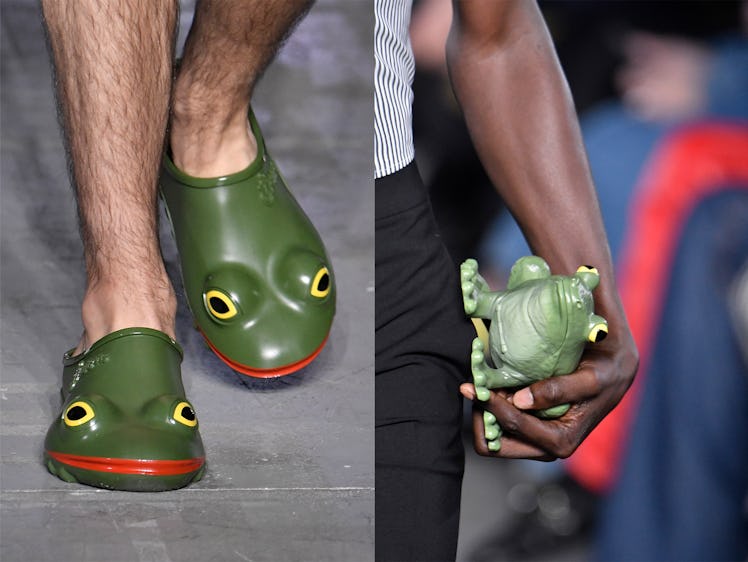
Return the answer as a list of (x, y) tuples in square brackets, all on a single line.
[(125, 422), (257, 277)]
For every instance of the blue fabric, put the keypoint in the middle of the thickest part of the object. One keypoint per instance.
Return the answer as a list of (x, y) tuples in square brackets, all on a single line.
[(727, 92), (617, 146), (685, 476)]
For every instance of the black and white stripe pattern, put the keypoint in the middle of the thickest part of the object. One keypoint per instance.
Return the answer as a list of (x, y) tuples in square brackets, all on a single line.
[(393, 92)]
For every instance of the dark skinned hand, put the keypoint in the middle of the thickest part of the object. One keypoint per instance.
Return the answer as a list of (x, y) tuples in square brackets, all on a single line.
[(604, 373)]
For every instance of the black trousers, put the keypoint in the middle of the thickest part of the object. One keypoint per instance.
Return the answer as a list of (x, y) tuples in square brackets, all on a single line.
[(422, 352)]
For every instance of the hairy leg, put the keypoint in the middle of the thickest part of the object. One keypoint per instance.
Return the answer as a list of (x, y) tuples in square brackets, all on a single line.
[(230, 44), (113, 62)]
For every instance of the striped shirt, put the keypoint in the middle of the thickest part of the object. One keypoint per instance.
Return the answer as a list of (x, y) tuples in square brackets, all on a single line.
[(393, 93)]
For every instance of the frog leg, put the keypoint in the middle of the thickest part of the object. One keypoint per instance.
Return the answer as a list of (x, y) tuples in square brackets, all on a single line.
[(477, 297), (492, 431), (485, 378), (481, 370)]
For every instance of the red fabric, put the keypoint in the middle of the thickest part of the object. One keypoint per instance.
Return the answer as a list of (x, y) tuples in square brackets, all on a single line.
[(688, 166)]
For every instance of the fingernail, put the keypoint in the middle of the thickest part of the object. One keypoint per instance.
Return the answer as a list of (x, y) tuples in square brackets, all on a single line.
[(523, 399), (468, 391)]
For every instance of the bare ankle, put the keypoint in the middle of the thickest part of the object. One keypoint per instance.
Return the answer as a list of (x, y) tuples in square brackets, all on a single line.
[(111, 306), (209, 142)]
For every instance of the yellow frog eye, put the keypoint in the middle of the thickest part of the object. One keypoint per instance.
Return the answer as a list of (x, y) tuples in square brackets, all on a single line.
[(321, 283), (78, 413), (598, 333), (589, 276), (220, 305), (184, 414)]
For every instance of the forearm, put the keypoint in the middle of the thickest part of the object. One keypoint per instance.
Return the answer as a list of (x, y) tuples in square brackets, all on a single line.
[(522, 121)]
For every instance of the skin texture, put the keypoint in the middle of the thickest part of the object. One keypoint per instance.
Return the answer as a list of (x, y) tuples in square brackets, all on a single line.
[(521, 118), (228, 48), (113, 66), (113, 92)]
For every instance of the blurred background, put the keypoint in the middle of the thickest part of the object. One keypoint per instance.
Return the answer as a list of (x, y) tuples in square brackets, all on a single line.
[(661, 89)]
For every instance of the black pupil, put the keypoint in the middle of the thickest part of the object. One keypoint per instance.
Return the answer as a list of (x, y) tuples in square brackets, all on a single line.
[(600, 335), (218, 305), (323, 282), (187, 413), (76, 413)]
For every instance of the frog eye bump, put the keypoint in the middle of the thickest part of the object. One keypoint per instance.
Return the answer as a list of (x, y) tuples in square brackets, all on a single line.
[(598, 333), (587, 269), (78, 413), (220, 305), (321, 283), (589, 276), (184, 414)]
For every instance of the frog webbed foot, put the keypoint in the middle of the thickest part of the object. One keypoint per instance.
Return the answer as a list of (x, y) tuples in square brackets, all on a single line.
[(492, 431), (474, 289), (480, 370)]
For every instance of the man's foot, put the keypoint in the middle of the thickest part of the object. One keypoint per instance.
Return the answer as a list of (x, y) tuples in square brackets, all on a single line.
[(228, 48), (204, 147), (111, 306)]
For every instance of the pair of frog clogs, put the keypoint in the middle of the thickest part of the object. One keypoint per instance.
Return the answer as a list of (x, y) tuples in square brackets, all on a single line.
[(262, 292)]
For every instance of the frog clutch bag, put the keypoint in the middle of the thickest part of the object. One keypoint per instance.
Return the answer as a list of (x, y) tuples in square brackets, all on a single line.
[(538, 329)]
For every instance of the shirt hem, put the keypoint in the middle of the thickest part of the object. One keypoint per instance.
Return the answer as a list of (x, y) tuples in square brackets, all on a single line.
[(380, 172)]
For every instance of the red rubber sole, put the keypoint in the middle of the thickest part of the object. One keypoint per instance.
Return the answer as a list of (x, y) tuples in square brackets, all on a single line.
[(267, 373), (144, 467)]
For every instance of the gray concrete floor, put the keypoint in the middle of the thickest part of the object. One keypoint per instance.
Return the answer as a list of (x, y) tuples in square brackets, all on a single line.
[(291, 468)]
